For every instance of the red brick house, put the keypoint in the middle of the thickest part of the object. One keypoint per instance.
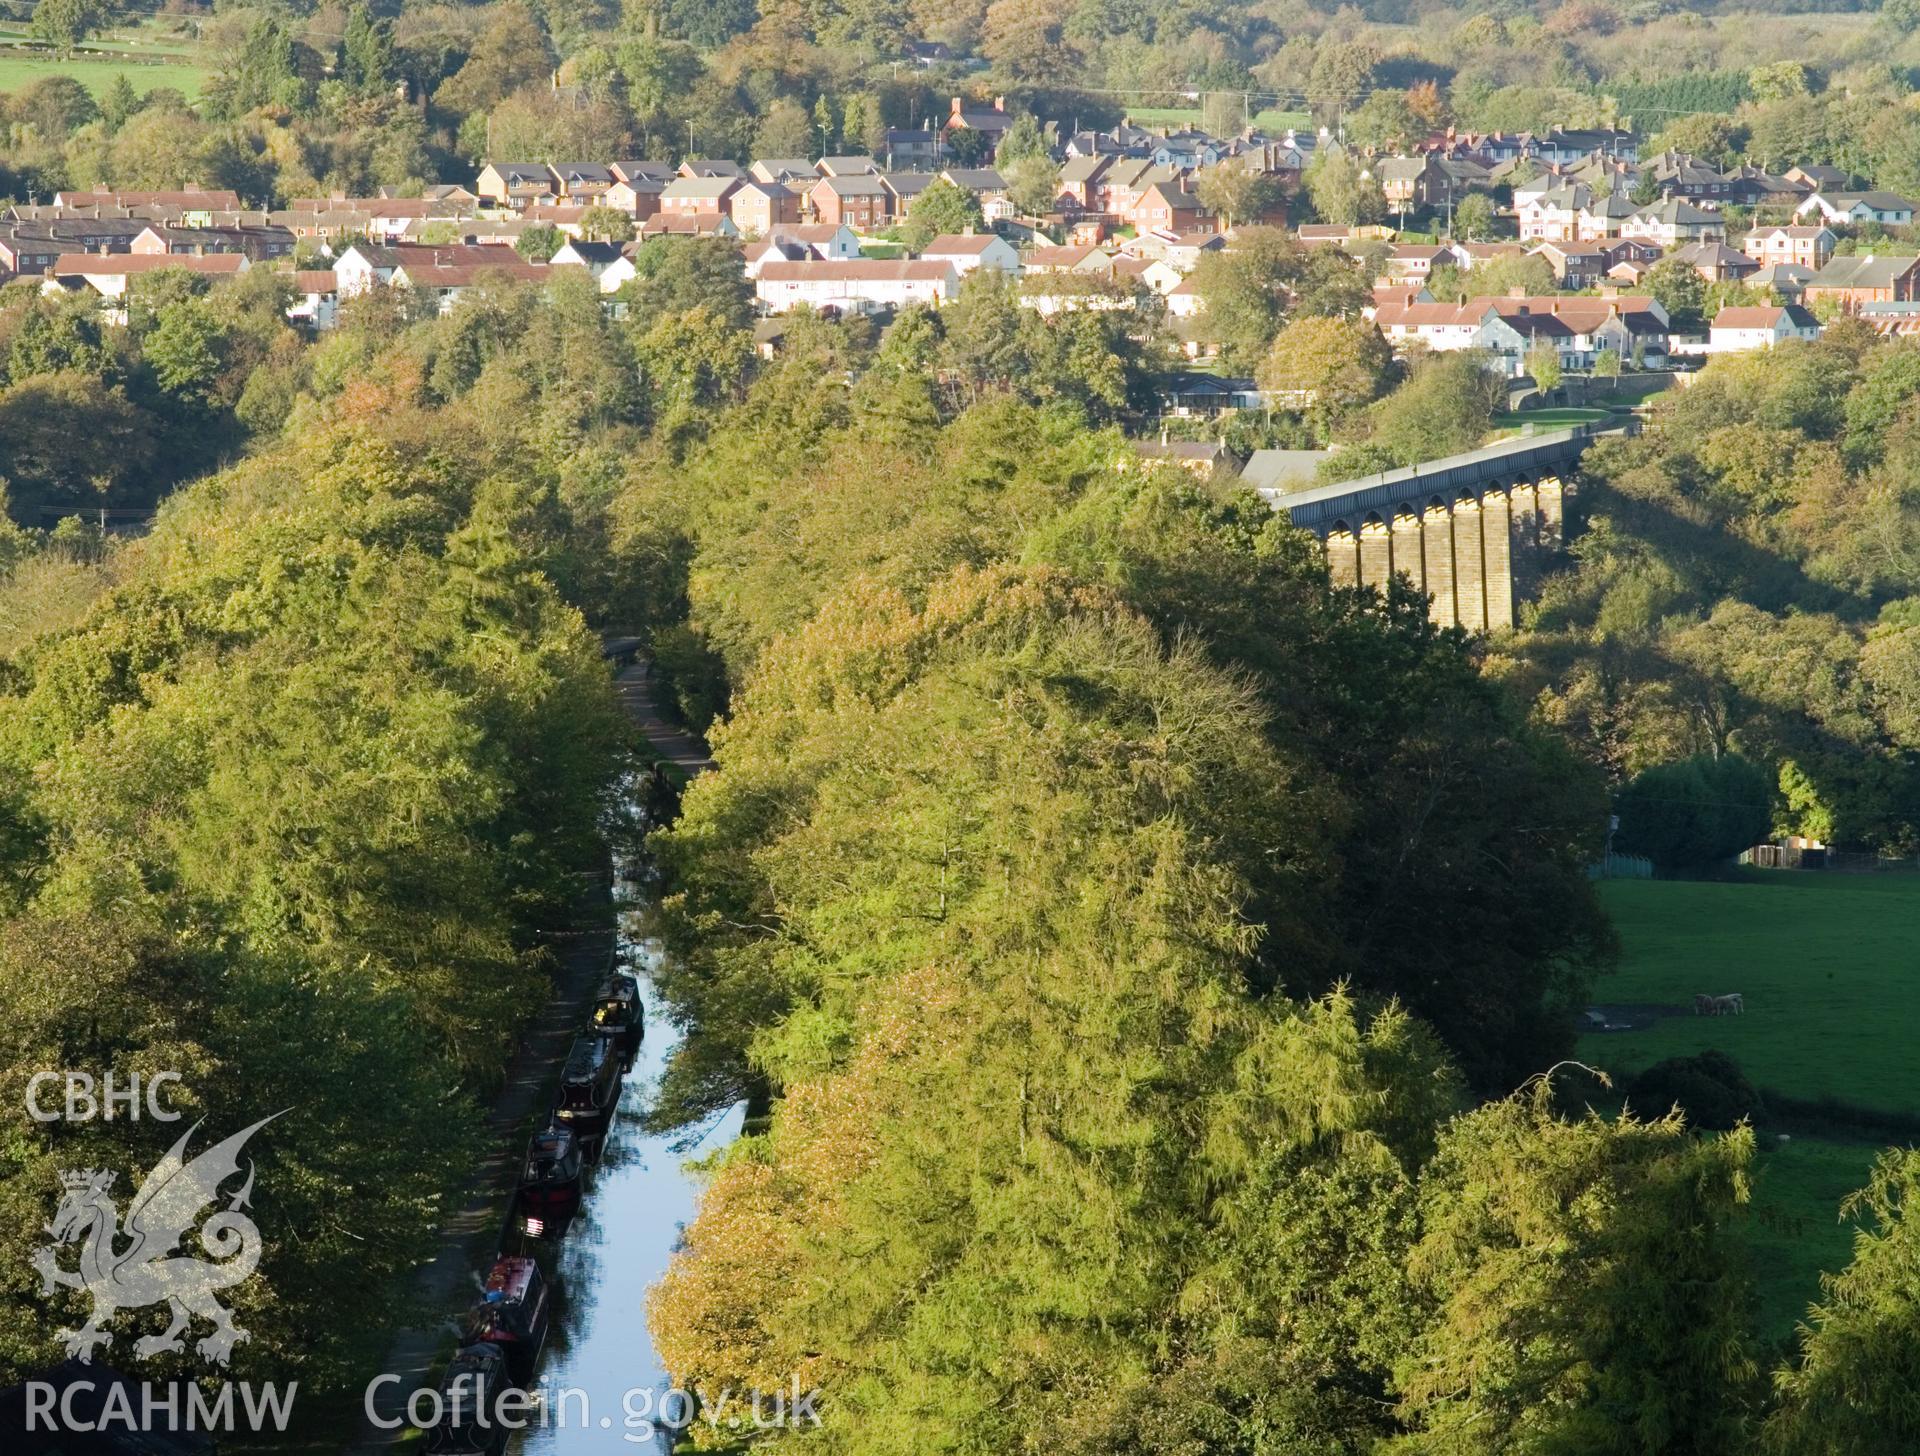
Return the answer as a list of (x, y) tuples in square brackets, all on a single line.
[(862, 203), (1166, 207)]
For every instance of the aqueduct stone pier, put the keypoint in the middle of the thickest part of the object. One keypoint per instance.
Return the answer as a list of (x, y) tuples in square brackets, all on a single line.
[(1473, 531)]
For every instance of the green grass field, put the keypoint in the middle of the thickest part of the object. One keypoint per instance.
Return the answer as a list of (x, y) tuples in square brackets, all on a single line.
[(1179, 116), (20, 68), (1548, 419), (149, 55), (1829, 965), (1793, 1230), (137, 40)]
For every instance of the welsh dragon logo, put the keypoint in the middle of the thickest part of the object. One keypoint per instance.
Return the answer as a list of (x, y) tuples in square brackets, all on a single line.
[(145, 1271)]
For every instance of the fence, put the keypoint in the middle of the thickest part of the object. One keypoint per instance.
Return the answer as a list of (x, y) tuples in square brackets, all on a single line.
[(1621, 867)]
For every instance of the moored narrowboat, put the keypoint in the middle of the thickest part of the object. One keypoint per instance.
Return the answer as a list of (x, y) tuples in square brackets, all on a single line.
[(550, 1183), (590, 1086), (513, 1313), (470, 1421), (619, 1015)]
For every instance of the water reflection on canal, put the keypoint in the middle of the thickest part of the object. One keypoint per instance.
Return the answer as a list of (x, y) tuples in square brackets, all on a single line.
[(637, 1201)]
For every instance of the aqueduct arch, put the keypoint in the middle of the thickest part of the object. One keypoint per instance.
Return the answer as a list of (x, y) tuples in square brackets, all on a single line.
[(1473, 531)]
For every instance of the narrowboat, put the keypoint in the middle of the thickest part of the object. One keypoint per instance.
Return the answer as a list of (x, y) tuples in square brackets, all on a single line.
[(590, 1087), (619, 1015), (550, 1184), (513, 1314), (470, 1419)]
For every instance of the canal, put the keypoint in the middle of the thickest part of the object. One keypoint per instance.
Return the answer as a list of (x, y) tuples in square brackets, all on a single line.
[(600, 1373)]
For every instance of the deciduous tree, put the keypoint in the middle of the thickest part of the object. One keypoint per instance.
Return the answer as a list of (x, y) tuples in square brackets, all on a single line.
[(1329, 364)]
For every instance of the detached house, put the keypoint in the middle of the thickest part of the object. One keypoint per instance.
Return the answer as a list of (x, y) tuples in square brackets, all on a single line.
[(968, 251), (1164, 206), (757, 208), (1819, 177), (1885, 208), (316, 299), (860, 202), (1412, 183), (363, 266), (1808, 246), (607, 263), (1735, 330), (637, 196)]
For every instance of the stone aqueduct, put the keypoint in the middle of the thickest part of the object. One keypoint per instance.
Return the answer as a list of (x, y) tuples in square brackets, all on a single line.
[(1476, 555), (1473, 531)]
